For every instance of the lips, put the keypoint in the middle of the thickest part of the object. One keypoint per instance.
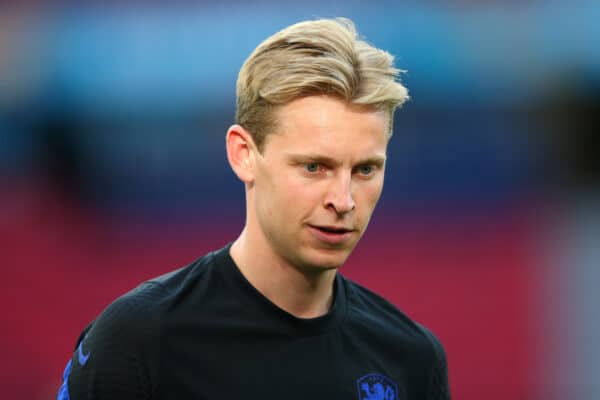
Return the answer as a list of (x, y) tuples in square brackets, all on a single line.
[(331, 234), (332, 229)]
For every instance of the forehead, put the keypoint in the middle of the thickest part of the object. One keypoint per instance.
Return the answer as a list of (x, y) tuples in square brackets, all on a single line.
[(326, 124)]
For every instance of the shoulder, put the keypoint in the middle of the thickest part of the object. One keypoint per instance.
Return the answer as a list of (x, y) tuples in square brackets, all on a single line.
[(180, 278), (117, 355), (405, 337), (129, 314), (402, 337), (437, 383), (372, 311), (143, 306), (370, 307)]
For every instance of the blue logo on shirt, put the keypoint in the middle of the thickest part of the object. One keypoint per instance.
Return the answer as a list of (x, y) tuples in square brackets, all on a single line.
[(82, 358), (376, 387)]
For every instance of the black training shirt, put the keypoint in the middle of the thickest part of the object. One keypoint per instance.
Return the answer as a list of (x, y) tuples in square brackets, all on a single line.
[(204, 332)]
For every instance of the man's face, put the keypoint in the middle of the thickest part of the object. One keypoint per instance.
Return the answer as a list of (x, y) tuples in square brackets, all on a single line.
[(318, 180)]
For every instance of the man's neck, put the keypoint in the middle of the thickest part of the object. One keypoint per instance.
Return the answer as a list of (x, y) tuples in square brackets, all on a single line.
[(300, 293)]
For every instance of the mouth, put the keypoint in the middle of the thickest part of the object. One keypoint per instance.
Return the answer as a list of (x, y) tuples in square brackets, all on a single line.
[(332, 229), (331, 234)]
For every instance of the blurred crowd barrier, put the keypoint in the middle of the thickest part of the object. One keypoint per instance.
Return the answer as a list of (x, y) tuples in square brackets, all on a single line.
[(113, 170)]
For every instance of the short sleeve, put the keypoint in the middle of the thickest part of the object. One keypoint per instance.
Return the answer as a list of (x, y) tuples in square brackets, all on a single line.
[(116, 355)]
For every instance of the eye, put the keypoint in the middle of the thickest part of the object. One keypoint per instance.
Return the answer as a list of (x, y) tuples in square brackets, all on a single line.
[(365, 169), (312, 167)]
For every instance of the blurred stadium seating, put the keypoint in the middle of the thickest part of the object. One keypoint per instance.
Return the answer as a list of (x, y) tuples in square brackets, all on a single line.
[(112, 170)]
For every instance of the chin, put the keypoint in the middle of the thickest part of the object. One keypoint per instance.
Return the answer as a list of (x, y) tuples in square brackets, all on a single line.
[(326, 259)]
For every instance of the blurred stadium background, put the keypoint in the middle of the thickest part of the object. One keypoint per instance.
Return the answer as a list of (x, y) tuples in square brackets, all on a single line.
[(113, 170)]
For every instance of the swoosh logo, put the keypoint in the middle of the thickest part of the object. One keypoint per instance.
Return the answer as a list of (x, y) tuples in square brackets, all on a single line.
[(82, 358)]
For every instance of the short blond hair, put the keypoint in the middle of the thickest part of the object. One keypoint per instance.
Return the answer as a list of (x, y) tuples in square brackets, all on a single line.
[(320, 57)]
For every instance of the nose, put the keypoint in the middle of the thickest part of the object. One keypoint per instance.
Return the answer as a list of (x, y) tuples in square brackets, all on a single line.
[(339, 196)]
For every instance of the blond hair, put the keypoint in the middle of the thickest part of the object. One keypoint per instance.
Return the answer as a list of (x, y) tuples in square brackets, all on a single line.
[(320, 57)]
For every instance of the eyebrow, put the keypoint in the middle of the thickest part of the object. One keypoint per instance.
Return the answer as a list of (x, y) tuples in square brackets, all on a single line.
[(321, 159)]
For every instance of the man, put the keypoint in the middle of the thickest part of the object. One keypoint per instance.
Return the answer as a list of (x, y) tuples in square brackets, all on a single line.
[(269, 316)]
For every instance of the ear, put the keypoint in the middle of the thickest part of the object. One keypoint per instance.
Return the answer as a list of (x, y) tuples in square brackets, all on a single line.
[(240, 153)]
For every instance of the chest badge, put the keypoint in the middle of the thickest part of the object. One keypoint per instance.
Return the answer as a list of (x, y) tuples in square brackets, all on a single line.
[(376, 387)]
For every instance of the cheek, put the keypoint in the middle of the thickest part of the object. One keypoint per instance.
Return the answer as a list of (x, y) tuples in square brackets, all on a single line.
[(370, 193), (284, 196), (377, 191), (300, 199), (297, 189)]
